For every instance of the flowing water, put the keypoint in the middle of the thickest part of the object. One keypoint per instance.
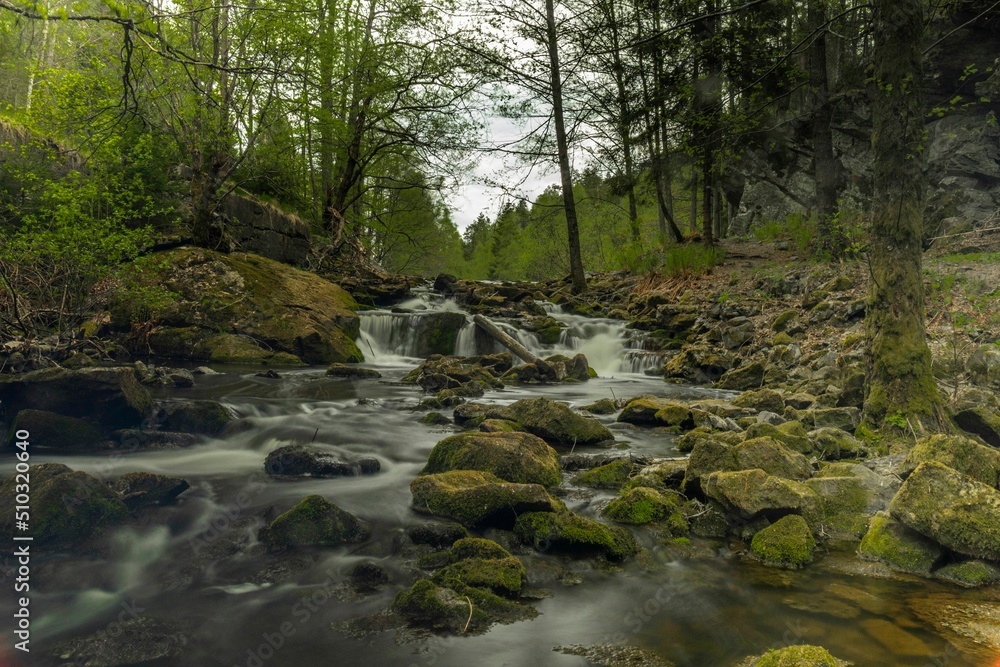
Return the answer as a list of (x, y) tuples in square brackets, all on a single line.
[(242, 607)]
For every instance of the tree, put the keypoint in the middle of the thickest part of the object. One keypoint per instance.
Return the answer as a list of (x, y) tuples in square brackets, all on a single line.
[(900, 385)]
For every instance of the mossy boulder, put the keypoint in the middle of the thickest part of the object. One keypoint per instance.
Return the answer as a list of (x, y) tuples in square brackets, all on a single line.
[(314, 521), (56, 432), (302, 461), (427, 604), (202, 417), (476, 499), (978, 461), (613, 475), (754, 492), (952, 509), (773, 457), (782, 321), (504, 576), (111, 398), (643, 505), (554, 422), (603, 406), (834, 443), (476, 547), (970, 573), (660, 476), (499, 426), (982, 422), (708, 456), (653, 411), (245, 308), (746, 376), (471, 415), (513, 457), (890, 542), (569, 533), (787, 542), (792, 434), (849, 495), (800, 655), (698, 364), (761, 399), (67, 506), (437, 535), (351, 372)]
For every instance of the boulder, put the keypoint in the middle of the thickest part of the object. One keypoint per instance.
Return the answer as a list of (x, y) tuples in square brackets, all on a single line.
[(554, 422), (772, 457), (367, 576), (302, 461), (56, 432), (352, 372), (642, 505), (970, 573), (471, 414), (849, 495), (613, 475), (791, 434), (513, 457), (890, 542), (314, 521), (430, 605), (139, 490), (834, 443), (982, 422), (243, 308), (754, 492), (566, 532), (761, 399), (476, 499), (437, 535), (697, 364), (502, 575), (603, 406), (109, 397), (785, 543), (67, 506), (202, 417), (708, 456), (962, 454), (746, 376), (952, 509), (653, 411)]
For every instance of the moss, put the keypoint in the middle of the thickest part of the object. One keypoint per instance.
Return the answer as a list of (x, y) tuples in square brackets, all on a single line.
[(604, 406), (573, 534), (612, 475), (477, 498), (761, 399), (430, 605), (782, 338), (514, 457), (750, 375), (843, 506), (754, 492), (51, 431), (773, 457), (477, 547), (643, 505), (499, 426), (501, 575), (435, 419), (556, 423), (802, 655), (782, 321), (786, 543), (964, 455), (791, 433), (314, 521), (970, 573), (549, 335), (890, 542)]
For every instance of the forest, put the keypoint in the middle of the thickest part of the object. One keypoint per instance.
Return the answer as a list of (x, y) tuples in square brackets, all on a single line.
[(576, 332)]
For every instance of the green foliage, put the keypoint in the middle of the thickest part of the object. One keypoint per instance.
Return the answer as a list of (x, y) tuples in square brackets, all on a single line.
[(691, 259), (797, 229)]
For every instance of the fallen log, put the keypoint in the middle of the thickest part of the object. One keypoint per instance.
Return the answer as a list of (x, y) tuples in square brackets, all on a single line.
[(504, 339)]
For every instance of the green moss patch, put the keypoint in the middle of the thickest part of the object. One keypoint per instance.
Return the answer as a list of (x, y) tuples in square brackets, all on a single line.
[(514, 457), (786, 543), (566, 532)]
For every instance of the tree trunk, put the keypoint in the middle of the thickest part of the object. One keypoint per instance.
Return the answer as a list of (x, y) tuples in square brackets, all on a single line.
[(824, 162), (572, 227), (900, 385), (624, 121), (501, 337)]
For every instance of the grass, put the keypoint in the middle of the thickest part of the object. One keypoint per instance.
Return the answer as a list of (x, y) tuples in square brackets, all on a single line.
[(796, 228), (972, 257), (690, 259)]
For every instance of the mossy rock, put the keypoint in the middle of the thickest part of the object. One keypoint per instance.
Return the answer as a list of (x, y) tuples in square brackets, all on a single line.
[(687, 442), (753, 492), (549, 335), (500, 575), (747, 376), (477, 547), (202, 417), (471, 415), (67, 506), (697, 364), (800, 655), (643, 505), (782, 338), (708, 456), (833, 443), (773, 457), (314, 521), (849, 495), (554, 422), (761, 399), (785, 543), (653, 411), (350, 371), (277, 308), (603, 406), (499, 426), (890, 542), (569, 533), (612, 475), (514, 457), (429, 605), (792, 434), (782, 321), (437, 535), (57, 432), (970, 573), (476, 499), (952, 509), (978, 461), (982, 422), (435, 419), (663, 476)]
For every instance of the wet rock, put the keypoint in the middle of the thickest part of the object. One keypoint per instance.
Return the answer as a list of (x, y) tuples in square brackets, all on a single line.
[(367, 576), (110, 397), (67, 506), (180, 378), (302, 461), (761, 399), (569, 533), (349, 371), (613, 475), (962, 454), (785, 543), (753, 492), (982, 422), (612, 655), (135, 439), (660, 476), (642, 505), (203, 417), (654, 411), (834, 443), (270, 374), (952, 509), (314, 521), (447, 372), (435, 419), (57, 432), (471, 414), (554, 422), (771, 456), (791, 434), (513, 457), (707, 456), (430, 605), (604, 406), (436, 534), (139, 490), (698, 365), (499, 426), (970, 573), (477, 499), (501, 575), (747, 376), (800, 655), (130, 642), (892, 543)]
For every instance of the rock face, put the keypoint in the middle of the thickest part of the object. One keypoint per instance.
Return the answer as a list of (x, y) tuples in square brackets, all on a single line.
[(244, 308), (111, 398), (477, 499), (315, 521), (555, 422), (514, 457), (952, 509), (301, 461), (257, 227)]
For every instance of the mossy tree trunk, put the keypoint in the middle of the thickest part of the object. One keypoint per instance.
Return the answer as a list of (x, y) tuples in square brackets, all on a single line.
[(900, 386)]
